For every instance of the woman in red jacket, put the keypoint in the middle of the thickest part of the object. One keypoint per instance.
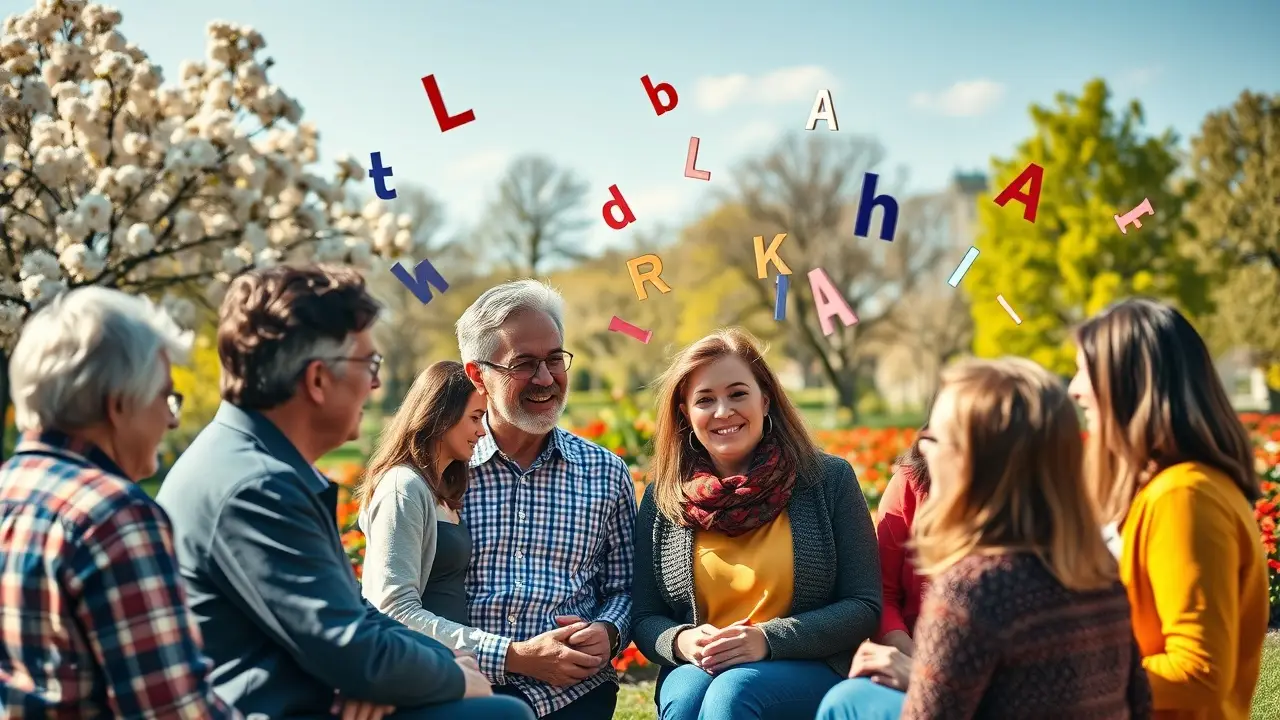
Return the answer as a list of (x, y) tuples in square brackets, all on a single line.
[(902, 588)]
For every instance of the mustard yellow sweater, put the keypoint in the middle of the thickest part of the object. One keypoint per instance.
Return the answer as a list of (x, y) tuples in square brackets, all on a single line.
[(1197, 581)]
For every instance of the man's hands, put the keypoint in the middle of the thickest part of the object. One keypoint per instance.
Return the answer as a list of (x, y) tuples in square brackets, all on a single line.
[(595, 639), (477, 684), (358, 709), (549, 657), (716, 649), (885, 665)]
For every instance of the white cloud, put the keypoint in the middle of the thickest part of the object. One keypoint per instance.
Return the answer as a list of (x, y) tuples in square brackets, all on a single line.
[(656, 203), (1139, 77), (483, 164), (967, 98), (777, 87), (753, 135)]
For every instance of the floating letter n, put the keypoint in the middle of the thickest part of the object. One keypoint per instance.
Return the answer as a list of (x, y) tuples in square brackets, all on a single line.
[(425, 276)]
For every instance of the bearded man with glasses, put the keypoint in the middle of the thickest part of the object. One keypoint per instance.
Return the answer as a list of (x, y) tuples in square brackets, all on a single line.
[(551, 517)]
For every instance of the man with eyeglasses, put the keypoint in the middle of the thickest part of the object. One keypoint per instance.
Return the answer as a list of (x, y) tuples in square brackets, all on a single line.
[(265, 571), (551, 517)]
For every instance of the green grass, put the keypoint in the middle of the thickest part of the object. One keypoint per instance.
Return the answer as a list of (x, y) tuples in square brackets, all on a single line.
[(1266, 698), (635, 702)]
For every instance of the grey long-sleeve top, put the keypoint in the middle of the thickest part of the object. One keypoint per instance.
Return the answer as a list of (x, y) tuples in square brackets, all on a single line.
[(399, 524), (836, 602)]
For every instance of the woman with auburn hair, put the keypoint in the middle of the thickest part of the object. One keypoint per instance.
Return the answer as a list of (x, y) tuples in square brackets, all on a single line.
[(417, 547), (1025, 615), (756, 570), (1171, 466)]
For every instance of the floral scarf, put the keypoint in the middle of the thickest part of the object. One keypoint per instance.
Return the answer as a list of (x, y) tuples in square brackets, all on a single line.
[(740, 503)]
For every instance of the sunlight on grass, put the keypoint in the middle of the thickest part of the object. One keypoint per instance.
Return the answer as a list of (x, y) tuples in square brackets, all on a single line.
[(1266, 698), (635, 702)]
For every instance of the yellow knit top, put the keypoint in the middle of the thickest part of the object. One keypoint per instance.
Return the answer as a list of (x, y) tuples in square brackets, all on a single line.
[(1196, 577)]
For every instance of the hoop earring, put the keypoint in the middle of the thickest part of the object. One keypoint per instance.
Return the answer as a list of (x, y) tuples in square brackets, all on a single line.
[(769, 429), (691, 447)]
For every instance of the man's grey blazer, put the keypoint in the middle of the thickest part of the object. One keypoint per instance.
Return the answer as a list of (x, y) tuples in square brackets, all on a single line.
[(267, 578)]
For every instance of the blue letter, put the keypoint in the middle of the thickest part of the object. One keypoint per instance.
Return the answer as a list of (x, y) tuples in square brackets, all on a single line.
[(780, 304), (379, 173), (869, 200), (425, 275)]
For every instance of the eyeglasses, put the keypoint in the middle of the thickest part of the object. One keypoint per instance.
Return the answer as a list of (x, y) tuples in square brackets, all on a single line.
[(375, 362), (557, 363), (175, 403)]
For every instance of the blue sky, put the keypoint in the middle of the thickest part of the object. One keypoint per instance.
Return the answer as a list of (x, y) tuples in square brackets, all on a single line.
[(941, 86)]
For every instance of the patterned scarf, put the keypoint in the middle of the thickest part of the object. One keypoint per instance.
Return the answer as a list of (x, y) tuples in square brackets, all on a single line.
[(740, 503)]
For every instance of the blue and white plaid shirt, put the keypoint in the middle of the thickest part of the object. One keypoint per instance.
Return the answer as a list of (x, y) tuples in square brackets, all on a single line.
[(555, 539)]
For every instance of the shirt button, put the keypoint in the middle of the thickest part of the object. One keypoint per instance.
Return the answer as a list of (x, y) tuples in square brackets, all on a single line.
[(511, 619), (519, 583), (520, 515), (519, 554)]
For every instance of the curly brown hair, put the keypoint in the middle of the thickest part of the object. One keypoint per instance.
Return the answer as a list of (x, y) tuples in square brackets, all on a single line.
[(274, 320)]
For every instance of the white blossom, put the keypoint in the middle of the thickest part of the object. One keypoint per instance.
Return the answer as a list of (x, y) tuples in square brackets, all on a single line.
[(211, 172)]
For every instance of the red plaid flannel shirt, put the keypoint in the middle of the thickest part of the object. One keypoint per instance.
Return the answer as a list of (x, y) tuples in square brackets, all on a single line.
[(93, 617)]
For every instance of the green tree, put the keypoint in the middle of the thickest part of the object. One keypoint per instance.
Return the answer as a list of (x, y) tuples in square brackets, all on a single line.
[(1236, 212), (1073, 261)]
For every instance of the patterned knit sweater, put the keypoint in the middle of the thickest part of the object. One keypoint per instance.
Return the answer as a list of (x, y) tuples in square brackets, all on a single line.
[(1000, 637)]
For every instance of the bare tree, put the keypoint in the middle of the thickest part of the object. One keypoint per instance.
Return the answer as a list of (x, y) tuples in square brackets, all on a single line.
[(808, 188), (536, 215)]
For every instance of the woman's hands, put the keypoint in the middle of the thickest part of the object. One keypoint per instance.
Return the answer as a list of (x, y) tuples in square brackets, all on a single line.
[(717, 649), (884, 664)]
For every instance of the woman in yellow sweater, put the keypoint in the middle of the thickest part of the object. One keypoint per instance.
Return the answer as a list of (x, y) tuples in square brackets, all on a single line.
[(1171, 467)]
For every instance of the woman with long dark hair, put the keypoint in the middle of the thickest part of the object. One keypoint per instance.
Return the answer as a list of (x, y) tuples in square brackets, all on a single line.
[(1171, 470), (417, 547)]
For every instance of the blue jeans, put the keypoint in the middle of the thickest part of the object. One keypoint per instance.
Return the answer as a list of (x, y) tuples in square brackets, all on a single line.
[(768, 690), (861, 699)]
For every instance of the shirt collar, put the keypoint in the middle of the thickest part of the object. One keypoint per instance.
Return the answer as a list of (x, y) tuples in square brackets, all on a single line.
[(561, 441), (57, 442)]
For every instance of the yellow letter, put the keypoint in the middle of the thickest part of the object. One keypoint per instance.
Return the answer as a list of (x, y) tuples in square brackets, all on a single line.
[(764, 257), (653, 275)]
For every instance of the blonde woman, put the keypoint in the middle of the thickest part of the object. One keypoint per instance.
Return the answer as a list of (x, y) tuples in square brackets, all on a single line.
[(1171, 466), (756, 569), (418, 548), (1025, 615)]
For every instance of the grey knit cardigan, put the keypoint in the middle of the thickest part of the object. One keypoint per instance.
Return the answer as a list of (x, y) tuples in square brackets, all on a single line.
[(836, 601)]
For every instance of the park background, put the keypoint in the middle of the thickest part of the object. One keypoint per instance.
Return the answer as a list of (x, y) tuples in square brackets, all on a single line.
[(217, 146)]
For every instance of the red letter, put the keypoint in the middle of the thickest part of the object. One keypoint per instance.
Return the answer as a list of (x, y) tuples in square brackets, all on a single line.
[(621, 204), (1029, 200), (659, 106), (437, 104)]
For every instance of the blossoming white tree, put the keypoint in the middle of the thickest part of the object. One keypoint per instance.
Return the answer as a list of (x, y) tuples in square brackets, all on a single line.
[(110, 177)]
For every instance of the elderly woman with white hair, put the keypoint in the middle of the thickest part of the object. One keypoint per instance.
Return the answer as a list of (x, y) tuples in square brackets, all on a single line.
[(95, 616)]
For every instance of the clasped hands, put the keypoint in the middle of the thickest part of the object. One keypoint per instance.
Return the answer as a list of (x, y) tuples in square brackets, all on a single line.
[(716, 649), (564, 656), (882, 664)]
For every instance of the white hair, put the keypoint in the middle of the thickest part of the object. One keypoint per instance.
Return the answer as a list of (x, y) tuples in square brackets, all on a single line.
[(86, 346), (478, 327)]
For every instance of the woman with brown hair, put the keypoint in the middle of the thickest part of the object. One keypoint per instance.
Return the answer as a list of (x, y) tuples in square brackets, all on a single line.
[(1171, 466), (1025, 615), (756, 571), (417, 547)]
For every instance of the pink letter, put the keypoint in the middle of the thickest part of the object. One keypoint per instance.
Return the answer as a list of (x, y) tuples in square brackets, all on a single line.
[(692, 159), (828, 302), (1131, 217)]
